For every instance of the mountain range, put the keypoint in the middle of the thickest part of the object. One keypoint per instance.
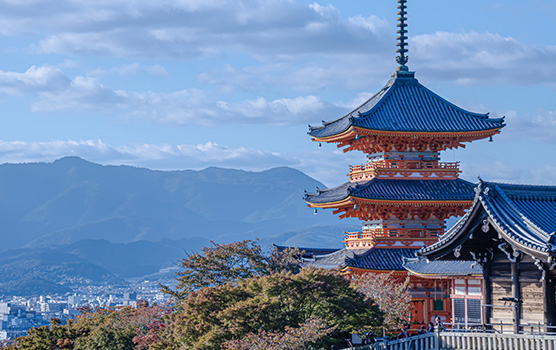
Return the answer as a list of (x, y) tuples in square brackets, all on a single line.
[(88, 222)]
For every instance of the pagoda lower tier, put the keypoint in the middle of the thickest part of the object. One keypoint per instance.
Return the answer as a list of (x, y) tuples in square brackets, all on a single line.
[(430, 297)]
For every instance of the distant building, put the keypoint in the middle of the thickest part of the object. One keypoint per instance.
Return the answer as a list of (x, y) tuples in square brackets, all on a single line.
[(130, 296)]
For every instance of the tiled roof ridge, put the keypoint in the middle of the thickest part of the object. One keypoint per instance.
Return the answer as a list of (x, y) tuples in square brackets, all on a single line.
[(510, 220), (511, 209), (525, 191), (402, 81), (453, 230), (384, 90)]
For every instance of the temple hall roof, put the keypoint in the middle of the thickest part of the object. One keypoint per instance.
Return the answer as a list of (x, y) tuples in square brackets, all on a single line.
[(378, 259), (442, 267), (524, 215), (383, 189), (404, 105)]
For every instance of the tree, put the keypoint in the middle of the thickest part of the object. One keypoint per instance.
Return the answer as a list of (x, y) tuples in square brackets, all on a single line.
[(392, 296), (103, 328), (290, 339), (211, 316), (223, 263)]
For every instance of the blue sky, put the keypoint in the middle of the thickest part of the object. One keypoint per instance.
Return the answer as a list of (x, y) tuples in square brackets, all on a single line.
[(186, 84)]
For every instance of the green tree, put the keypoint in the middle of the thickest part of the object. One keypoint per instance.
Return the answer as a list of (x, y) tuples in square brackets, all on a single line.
[(211, 316), (223, 263)]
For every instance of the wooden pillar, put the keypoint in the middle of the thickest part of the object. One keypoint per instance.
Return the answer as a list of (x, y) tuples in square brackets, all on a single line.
[(549, 293), (516, 291), (487, 294)]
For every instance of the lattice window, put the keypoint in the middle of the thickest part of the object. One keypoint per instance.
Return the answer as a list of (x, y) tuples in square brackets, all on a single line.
[(473, 311), (459, 310)]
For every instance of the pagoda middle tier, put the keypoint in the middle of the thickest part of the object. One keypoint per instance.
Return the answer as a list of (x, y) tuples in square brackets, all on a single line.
[(402, 193)]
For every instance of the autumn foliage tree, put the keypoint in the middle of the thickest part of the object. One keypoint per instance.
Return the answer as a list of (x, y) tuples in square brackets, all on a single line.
[(273, 303), (229, 291), (292, 338), (391, 294), (229, 296), (93, 329)]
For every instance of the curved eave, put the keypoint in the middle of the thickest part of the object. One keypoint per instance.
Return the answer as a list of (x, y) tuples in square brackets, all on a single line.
[(415, 202), (329, 205), (531, 248), (353, 131), (363, 270), (441, 276), (481, 209), (451, 239), (519, 245), (351, 200)]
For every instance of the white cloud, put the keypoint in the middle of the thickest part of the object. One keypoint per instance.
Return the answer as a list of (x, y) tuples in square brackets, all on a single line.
[(131, 70), (187, 29), (162, 156), (515, 172), (539, 126), (331, 71), (82, 94), (328, 165), (34, 80), (185, 107), (473, 58)]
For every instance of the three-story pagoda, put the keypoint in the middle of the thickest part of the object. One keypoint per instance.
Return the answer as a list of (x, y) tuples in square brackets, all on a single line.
[(403, 193)]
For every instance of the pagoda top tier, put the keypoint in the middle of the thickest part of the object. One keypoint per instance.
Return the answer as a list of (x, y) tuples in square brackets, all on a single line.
[(405, 115)]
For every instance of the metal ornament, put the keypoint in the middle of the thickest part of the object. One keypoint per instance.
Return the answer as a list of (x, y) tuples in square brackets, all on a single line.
[(402, 58), (485, 227), (457, 252)]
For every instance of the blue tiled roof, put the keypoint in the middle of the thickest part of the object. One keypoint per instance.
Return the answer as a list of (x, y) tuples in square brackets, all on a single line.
[(443, 267), (523, 214), (406, 105), (396, 190), (382, 259), (335, 259)]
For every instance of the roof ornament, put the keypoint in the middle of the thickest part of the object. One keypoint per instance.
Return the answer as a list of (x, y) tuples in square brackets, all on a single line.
[(402, 58)]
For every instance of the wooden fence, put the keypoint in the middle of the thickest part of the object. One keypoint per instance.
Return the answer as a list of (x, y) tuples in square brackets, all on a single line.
[(467, 341)]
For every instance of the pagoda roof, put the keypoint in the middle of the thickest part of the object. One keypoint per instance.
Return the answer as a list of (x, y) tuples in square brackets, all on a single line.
[(523, 215), (386, 189), (378, 259), (404, 105), (420, 266)]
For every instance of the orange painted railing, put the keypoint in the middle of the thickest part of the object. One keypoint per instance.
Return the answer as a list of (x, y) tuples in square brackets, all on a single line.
[(405, 168)]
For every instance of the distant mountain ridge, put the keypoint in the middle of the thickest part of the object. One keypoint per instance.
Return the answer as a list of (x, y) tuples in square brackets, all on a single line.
[(105, 217), (72, 199)]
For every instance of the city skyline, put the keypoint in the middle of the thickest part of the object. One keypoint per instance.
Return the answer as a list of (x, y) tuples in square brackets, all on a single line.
[(189, 84)]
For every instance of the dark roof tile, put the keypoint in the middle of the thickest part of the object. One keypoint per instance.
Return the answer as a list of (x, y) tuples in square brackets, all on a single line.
[(397, 190), (406, 105)]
